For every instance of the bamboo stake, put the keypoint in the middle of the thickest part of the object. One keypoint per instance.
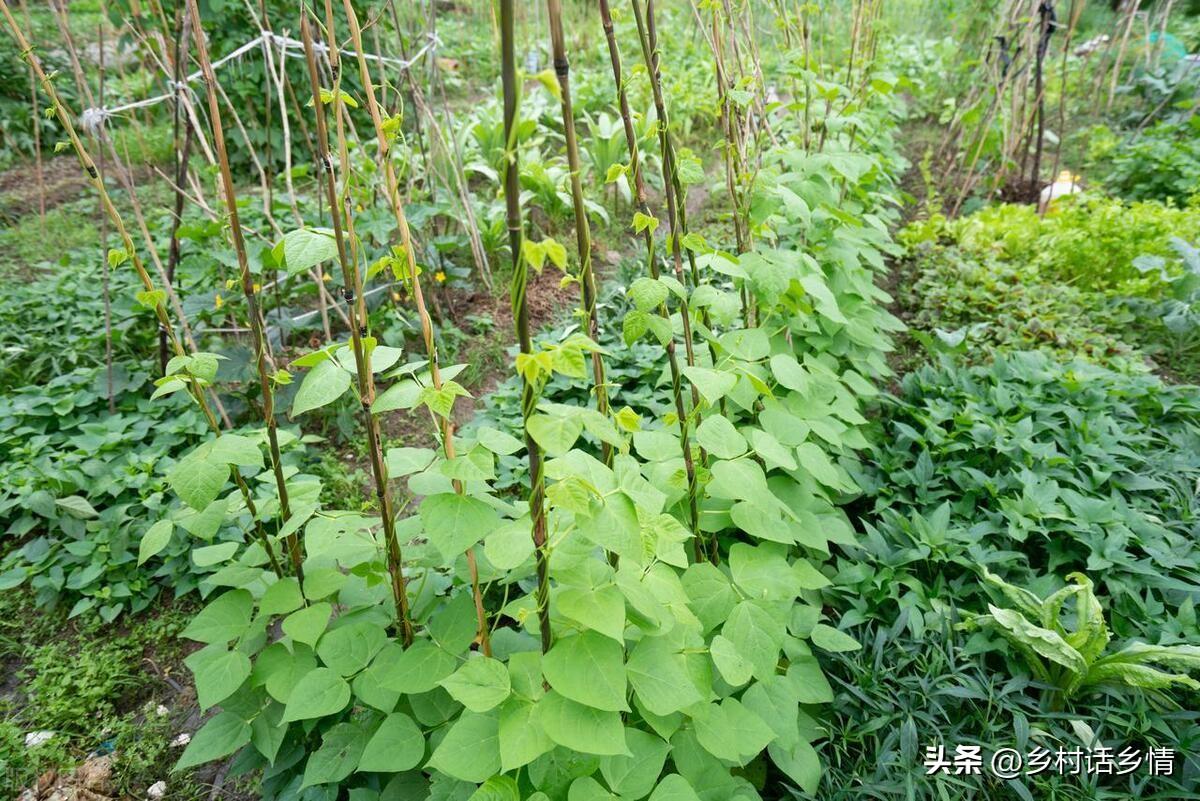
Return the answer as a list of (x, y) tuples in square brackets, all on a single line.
[(676, 213), (520, 305), (160, 309), (104, 266), (358, 329), (37, 135), (639, 187), (393, 192), (583, 232), (263, 364)]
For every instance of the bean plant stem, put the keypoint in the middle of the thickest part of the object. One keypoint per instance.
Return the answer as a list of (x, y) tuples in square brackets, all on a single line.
[(262, 360), (583, 233), (676, 217), (639, 195), (391, 185), (358, 330), (520, 306)]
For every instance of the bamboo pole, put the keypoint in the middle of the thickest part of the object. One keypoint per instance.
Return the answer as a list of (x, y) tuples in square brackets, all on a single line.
[(358, 329), (520, 306), (393, 193), (639, 194), (583, 232), (262, 360)]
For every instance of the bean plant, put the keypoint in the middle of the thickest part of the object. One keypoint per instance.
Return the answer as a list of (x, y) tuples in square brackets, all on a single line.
[(642, 617)]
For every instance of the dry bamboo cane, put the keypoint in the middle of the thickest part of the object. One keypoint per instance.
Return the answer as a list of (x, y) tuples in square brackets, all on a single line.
[(263, 363), (104, 265), (393, 192), (583, 231), (37, 135), (358, 328), (639, 188), (160, 308), (520, 307)]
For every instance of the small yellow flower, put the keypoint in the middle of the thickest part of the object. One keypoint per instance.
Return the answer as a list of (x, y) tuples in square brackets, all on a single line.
[(440, 277), (257, 288), (326, 277), (218, 302)]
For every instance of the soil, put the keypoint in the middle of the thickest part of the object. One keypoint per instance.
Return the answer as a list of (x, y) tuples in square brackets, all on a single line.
[(62, 179)]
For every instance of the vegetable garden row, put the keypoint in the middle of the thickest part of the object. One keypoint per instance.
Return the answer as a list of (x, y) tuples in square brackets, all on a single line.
[(740, 524)]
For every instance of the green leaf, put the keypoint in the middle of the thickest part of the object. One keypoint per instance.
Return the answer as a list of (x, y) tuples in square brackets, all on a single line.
[(319, 693), (497, 788), (555, 433), (635, 776), (808, 682), (522, 739), (441, 401), (321, 386), (197, 479), (341, 749), (307, 247), (719, 437), (800, 763), (223, 734), (280, 668), (1045, 642), (150, 298), (214, 554), (349, 649), (77, 506), (453, 523), (219, 673), (498, 442), (733, 668), (549, 81), (225, 619), (585, 788), (480, 684), (659, 675), (397, 745), (674, 788), (762, 572), (789, 373), (281, 597), (817, 464), (588, 668), (830, 639), (154, 540), (307, 625), (712, 384), (731, 732), (648, 294), (643, 221), (710, 593), (418, 668), (470, 751), (756, 635), (236, 449), (581, 728), (601, 609)]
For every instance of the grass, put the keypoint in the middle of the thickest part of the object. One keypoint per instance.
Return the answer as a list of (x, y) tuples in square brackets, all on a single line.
[(95, 687)]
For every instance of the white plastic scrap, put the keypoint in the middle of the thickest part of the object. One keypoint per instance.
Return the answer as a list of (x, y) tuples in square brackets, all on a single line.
[(36, 738)]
